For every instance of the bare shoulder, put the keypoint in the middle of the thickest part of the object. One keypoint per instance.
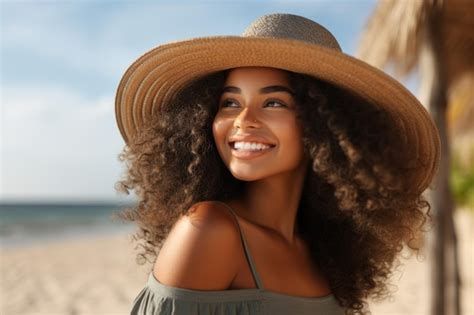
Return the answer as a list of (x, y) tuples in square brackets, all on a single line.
[(202, 250)]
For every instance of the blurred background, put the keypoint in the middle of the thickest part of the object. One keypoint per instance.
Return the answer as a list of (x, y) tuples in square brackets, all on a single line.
[(61, 61)]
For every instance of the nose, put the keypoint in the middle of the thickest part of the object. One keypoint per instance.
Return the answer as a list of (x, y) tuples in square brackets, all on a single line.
[(246, 119)]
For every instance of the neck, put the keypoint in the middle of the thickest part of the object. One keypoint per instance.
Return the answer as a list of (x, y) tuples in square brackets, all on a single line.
[(272, 203)]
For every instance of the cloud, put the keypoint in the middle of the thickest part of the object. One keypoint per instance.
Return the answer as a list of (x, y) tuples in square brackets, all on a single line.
[(57, 143), (50, 109), (60, 35)]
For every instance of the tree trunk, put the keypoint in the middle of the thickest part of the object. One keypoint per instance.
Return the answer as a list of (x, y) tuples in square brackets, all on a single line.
[(445, 272), (452, 266)]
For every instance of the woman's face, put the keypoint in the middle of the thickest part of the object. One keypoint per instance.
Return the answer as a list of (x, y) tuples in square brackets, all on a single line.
[(257, 114)]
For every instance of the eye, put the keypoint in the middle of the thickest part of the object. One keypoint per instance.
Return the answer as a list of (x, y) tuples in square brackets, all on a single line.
[(227, 101), (276, 102)]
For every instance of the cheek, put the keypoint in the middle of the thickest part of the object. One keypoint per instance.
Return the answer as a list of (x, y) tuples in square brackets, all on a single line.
[(289, 132), (219, 127)]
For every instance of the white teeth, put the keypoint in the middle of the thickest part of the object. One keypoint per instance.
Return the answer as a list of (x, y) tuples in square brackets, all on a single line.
[(250, 146)]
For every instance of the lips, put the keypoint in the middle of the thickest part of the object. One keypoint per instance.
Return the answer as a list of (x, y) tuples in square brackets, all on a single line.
[(257, 139), (249, 154), (231, 144)]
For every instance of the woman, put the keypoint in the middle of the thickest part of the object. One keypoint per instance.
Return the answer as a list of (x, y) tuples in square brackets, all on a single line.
[(277, 175)]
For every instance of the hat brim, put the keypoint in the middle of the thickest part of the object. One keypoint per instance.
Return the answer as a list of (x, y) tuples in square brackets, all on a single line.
[(156, 77)]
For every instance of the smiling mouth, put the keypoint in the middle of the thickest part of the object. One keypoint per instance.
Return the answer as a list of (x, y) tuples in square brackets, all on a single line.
[(248, 154), (268, 147)]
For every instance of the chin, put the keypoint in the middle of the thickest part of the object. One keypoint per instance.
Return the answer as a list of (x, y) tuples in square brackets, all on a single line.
[(245, 176)]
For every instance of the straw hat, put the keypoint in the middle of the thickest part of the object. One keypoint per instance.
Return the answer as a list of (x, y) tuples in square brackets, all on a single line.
[(283, 41)]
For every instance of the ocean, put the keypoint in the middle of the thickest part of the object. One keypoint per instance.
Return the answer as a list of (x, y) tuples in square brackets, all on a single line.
[(25, 224)]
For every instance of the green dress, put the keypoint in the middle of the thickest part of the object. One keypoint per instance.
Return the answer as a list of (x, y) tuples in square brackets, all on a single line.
[(159, 299)]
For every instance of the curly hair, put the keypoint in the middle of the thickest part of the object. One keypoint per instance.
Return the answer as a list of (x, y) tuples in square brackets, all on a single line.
[(357, 210)]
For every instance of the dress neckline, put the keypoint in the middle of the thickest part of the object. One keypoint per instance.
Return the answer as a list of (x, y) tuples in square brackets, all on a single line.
[(237, 294)]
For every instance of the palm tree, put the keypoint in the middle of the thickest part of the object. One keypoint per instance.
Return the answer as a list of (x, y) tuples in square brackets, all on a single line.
[(436, 39)]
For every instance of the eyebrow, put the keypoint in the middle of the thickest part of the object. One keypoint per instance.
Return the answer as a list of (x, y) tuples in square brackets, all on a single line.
[(265, 90)]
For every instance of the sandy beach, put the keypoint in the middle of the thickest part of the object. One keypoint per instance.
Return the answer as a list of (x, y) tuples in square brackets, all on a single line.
[(99, 276)]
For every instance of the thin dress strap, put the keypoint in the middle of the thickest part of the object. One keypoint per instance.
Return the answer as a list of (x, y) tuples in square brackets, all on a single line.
[(256, 277)]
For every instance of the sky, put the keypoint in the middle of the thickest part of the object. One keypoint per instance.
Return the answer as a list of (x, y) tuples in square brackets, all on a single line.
[(61, 62)]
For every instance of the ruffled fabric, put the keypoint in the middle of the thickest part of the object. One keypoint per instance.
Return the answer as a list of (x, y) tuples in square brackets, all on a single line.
[(149, 302), (157, 298)]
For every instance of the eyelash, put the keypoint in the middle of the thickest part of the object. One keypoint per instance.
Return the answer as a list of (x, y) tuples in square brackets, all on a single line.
[(223, 103)]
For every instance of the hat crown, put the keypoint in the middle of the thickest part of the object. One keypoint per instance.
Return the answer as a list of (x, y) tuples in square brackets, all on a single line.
[(290, 26)]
